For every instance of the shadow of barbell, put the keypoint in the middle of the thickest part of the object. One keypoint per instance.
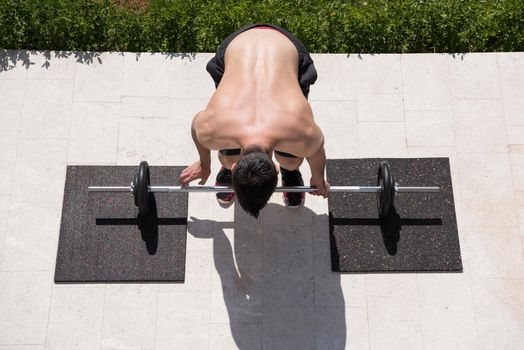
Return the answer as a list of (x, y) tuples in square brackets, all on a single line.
[(390, 226)]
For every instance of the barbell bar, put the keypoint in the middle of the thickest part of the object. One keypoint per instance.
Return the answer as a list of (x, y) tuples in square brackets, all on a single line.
[(386, 189), (307, 189)]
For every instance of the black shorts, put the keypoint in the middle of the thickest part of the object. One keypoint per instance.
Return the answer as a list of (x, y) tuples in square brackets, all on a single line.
[(307, 74), (236, 152)]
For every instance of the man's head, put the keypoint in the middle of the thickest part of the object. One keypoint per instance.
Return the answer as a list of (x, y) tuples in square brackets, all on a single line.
[(254, 179)]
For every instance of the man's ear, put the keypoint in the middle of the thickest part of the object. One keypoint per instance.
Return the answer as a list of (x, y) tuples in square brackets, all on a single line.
[(277, 167), (233, 166)]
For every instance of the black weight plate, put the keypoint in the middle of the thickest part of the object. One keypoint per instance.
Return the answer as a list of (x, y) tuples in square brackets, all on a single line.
[(142, 188), (386, 196)]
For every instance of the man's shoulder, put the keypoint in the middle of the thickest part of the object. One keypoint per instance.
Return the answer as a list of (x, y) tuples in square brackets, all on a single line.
[(202, 119)]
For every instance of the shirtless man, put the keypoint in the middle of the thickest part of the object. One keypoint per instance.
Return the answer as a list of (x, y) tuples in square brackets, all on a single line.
[(259, 108)]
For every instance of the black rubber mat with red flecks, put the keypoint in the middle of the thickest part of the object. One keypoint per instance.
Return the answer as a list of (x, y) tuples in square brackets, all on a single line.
[(421, 235), (102, 239)]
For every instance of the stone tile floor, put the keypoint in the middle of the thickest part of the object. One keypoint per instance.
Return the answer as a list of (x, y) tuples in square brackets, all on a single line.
[(263, 284)]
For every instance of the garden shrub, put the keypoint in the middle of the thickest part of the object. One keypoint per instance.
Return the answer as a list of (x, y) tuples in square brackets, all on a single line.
[(334, 26)]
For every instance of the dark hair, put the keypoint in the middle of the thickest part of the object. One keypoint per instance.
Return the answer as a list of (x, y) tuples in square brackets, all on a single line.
[(254, 180)]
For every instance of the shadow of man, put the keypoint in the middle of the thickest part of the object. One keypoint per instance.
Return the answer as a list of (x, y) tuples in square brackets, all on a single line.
[(274, 286)]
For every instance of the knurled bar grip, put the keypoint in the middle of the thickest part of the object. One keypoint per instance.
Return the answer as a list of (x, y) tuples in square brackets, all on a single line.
[(354, 189)]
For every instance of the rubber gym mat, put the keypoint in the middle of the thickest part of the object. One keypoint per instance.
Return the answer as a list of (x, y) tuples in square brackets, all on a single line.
[(420, 235), (102, 239)]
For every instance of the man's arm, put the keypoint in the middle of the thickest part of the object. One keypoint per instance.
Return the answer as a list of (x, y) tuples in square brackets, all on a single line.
[(201, 168), (317, 162), (203, 152)]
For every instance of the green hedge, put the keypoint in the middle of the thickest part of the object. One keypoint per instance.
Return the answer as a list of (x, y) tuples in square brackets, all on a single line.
[(378, 26)]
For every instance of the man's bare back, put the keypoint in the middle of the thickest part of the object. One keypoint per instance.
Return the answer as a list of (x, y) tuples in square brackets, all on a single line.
[(259, 97)]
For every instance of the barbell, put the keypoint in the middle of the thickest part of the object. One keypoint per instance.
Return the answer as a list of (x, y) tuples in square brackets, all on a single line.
[(386, 189)]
